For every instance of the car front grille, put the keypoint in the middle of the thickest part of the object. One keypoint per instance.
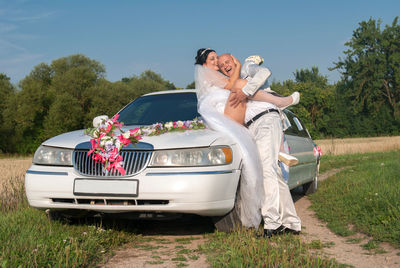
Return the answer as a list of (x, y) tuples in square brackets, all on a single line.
[(134, 162)]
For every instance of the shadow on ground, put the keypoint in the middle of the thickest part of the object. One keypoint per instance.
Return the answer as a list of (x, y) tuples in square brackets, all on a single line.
[(178, 225)]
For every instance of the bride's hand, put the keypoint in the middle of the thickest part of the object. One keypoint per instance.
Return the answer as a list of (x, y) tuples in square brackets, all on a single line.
[(236, 61)]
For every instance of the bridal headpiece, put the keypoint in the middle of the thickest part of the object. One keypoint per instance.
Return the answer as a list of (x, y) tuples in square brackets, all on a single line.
[(204, 51)]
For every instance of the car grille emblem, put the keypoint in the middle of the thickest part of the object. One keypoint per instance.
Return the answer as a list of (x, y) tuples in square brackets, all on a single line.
[(134, 162)]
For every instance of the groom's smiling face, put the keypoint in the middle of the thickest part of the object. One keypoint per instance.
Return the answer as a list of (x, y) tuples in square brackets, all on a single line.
[(226, 64)]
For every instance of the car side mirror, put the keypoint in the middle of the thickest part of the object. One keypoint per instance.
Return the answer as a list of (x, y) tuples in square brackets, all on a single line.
[(99, 119)]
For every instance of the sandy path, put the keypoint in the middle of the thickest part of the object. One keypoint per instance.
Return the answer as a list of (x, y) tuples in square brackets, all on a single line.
[(342, 250), (166, 244), (165, 240)]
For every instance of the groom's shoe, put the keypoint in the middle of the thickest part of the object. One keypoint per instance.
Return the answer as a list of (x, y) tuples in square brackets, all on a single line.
[(291, 231), (268, 233), (288, 159)]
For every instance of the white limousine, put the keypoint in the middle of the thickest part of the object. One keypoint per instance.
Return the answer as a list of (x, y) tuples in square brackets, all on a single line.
[(160, 179)]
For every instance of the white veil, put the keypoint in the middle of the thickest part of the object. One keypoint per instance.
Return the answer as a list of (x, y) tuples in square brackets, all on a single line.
[(211, 102)]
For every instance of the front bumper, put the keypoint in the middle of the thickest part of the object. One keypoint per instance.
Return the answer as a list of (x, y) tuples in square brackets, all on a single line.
[(205, 191)]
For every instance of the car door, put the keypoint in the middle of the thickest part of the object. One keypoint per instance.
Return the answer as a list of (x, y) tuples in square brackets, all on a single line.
[(301, 146)]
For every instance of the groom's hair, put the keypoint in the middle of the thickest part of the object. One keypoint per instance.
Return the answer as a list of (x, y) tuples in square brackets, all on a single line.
[(202, 55)]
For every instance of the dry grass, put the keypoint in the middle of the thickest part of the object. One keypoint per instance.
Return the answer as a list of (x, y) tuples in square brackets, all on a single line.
[(13, 167), (358, 145), (12, 174)]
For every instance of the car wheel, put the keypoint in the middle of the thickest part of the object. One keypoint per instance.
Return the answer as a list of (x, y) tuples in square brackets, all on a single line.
[(312, 186), (231, 221)]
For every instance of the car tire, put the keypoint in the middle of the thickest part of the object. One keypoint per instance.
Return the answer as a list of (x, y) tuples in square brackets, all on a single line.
[(312, 186), (230, 221)]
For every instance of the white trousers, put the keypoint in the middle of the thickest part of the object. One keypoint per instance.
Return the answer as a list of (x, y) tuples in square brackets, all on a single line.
[(277, 208)]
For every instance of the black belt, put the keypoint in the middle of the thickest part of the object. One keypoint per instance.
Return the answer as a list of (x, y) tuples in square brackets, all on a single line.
[(259, 115)]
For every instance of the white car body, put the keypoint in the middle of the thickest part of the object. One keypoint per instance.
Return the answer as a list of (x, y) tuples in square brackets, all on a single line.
[(202, 190)]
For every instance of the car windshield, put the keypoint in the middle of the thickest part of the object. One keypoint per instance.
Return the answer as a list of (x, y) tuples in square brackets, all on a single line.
[(160, 108)]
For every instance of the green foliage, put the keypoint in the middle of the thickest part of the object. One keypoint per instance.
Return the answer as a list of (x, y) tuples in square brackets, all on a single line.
[(365, 196), (370, 83), (6, 90), (313, 76), (64, 96), (316, 103), (68, 93), (243, 249), (191, 85), (7, 94), (29, 239), (65, 114)]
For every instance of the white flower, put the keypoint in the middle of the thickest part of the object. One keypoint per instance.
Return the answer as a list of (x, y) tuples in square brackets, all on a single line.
[(118, 144), (96, 133), (104, 141), (179, 123), (169, 125), (98, 120), (256, 59), (126, 135)]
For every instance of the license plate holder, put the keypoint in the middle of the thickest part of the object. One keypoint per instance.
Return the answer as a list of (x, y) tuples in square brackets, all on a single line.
[(106, 187)]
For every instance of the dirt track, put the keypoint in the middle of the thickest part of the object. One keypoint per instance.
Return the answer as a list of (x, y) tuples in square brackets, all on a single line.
[(166, 240)]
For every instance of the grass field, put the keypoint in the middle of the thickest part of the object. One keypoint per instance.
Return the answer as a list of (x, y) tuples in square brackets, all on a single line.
[(243, 249), (358, 145), (365, 197), (29, 239)]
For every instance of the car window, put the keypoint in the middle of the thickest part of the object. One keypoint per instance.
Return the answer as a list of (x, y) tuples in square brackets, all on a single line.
[(298, 124), (160, 108), (295, 127)]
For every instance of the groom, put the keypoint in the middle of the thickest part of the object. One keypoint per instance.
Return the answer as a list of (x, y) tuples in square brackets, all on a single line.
[(264, 122)]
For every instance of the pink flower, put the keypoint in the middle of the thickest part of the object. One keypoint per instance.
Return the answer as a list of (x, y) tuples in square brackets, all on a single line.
[(124, 141), (317, 151)]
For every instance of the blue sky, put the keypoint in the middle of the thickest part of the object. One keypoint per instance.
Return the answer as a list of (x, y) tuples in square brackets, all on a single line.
[(128, 37)]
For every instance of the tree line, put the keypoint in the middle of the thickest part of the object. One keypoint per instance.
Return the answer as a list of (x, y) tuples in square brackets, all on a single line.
[(66, 94)]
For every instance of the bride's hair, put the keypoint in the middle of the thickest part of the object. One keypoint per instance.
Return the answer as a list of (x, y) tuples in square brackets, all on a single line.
[(202, 55)]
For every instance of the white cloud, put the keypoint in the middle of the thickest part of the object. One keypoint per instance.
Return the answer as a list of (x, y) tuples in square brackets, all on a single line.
[(18, 66), (7, 48), (5, 27), (33, 17)]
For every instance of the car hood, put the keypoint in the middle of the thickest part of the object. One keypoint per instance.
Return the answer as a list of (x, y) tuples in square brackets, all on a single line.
[(186, 139)]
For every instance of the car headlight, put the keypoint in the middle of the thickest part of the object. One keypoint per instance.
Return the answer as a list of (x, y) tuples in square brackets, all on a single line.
[(210, 156), (46, 155)]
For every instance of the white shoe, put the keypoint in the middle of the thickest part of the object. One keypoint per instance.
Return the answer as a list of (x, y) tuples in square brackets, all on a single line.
[(295, 100), (288, 159)]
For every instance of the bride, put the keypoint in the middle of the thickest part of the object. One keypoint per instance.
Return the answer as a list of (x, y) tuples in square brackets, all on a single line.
[(206, 66), (214, 92)]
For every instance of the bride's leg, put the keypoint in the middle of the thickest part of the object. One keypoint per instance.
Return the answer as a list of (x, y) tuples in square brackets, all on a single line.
[(262, 95)]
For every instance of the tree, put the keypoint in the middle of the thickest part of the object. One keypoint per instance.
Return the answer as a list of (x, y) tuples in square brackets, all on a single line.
[(149, 81), (7, 94), (312, 76), (191, 85), (371, 75), (317, 99), (6, 91), (65, 96), (51, 100)]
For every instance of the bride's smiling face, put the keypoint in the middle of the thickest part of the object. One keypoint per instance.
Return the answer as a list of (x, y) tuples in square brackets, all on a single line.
[(212, 61)]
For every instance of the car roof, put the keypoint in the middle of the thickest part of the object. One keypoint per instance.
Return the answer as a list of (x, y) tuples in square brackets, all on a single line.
[(171, 91)]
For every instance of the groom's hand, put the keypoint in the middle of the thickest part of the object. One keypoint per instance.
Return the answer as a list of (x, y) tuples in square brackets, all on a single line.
[(237, 97)]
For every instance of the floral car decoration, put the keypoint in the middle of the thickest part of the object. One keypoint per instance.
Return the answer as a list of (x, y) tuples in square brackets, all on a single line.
[(106, 144), (317, 151)]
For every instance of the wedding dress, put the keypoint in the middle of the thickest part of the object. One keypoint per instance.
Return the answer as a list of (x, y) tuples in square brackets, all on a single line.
[(211, 103)]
